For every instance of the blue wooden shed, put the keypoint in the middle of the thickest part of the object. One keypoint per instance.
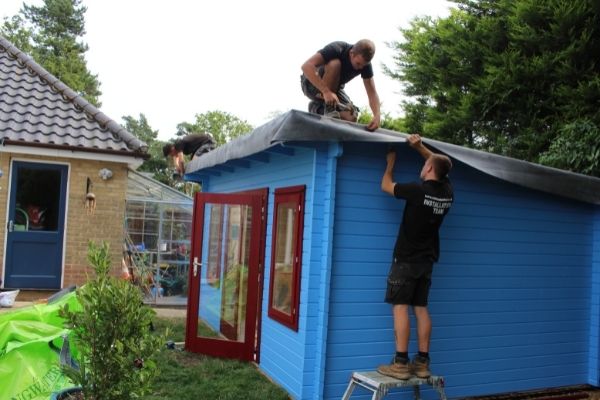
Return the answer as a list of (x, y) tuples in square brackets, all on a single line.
[(293, 239)]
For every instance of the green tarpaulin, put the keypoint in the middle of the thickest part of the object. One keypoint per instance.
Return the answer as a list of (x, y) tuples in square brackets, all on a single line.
[(30, 343)]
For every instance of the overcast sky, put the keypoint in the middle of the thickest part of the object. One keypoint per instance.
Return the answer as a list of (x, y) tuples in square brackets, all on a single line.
[(171, 60)]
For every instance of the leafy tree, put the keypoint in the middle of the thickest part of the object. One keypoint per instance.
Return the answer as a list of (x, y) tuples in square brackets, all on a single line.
[(387, 121), (157, 164), (577, 148), (141, 129), (506, 76), (222, 125), (14, 29), (51, 34)]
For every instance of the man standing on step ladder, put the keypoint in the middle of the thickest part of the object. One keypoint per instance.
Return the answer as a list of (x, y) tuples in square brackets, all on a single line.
[(415, 252), (326, 72)]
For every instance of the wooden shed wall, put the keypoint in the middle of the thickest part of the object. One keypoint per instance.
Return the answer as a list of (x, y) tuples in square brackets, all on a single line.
[(510, 300), (594, 357), (286, 356)]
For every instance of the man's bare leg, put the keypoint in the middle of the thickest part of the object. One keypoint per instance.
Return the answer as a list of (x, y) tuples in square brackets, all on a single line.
[(423, 328), (331, 76), (420, 363), (401, 327), (399, 369)]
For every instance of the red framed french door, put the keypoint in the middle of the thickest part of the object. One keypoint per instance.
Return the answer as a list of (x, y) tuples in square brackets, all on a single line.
[(225, 274)]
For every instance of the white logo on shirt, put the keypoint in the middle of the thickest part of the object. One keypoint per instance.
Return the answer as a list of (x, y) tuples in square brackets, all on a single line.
[(438, 204)]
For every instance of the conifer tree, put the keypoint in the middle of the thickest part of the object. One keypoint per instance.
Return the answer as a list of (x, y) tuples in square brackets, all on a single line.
[(515, 77), (52, 34)]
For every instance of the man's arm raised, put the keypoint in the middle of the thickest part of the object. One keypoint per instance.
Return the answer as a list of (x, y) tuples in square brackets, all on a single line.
[(387, 181), (416, 143)]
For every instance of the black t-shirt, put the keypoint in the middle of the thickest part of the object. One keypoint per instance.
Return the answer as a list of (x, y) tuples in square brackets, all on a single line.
[(426, 205), (341, 51), (190, 143)]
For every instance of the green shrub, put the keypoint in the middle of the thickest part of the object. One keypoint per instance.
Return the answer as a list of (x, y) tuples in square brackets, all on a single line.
[(112, 335), (576, 148)]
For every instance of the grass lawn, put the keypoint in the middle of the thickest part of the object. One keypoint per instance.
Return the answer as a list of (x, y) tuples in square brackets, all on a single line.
[(193, 376)]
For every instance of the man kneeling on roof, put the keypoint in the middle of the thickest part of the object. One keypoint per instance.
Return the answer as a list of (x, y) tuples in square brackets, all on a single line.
[(194, 144), (325, 74)]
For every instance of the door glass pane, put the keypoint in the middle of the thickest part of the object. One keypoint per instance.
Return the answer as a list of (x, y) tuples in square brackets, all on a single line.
[(224, 275), (284, 257), (215, 232), (37, 199)]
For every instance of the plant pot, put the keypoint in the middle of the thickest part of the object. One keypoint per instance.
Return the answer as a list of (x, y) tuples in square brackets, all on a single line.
[(63, 394)]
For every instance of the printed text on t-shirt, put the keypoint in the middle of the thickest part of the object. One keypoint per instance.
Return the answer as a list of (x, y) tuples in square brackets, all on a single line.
[(438, 204)]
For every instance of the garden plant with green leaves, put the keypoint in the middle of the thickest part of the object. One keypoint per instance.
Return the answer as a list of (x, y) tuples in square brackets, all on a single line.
[(111, 332)]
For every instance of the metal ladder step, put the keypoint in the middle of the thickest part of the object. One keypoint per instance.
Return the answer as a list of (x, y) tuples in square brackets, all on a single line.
[(381, 384)]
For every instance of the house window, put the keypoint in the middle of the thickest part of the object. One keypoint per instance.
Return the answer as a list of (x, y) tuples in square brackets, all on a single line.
[(286, 252)]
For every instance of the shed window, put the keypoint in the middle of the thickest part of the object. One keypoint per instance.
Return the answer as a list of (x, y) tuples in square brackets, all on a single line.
[(288, 225)]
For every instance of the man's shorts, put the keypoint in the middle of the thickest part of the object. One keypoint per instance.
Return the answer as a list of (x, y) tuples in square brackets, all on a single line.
[(205, 148), (317, 105), (409, 284)]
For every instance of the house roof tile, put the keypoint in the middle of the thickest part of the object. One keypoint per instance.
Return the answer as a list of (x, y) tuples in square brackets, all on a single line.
[(38, 109)]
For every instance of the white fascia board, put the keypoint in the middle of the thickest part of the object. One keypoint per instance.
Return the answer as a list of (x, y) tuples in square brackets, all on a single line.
[(131, 161)]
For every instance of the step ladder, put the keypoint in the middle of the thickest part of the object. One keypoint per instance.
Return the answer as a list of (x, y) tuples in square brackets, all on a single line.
[(381, 384)]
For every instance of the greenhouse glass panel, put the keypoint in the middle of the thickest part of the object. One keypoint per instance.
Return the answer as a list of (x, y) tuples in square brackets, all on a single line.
[(158, 227)]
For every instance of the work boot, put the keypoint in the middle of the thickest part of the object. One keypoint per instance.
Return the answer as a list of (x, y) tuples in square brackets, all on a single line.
[(398, 369), (420, 367), (314, 107), (332, 112)]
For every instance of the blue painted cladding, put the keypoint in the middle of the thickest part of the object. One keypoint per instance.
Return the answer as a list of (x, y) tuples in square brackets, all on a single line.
[(594, 368), (287, 356), (510, 300)]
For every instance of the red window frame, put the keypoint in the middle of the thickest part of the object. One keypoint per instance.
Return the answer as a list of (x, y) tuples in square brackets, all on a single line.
[(293, 194)]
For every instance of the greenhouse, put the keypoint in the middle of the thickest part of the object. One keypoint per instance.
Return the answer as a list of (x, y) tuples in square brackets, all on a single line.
[(158, 226)]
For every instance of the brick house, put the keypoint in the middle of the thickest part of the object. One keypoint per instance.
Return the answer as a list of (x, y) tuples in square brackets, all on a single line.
[(56, 149)]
